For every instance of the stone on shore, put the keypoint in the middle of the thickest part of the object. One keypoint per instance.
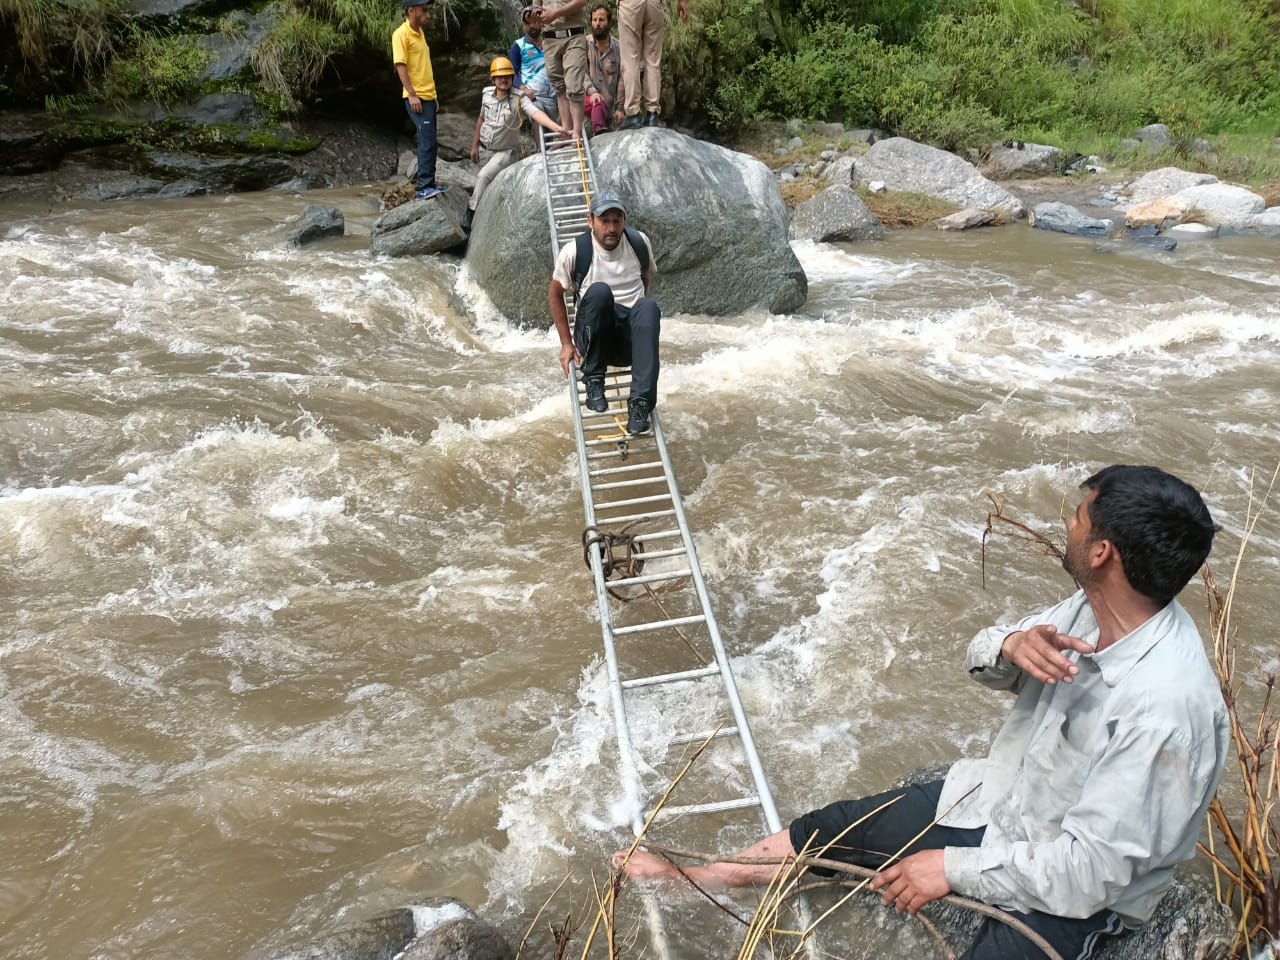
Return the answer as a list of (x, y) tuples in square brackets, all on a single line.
[(1192, 231), (1267, 222), (1165, 182), (1158, 212), (1064, 218), (965, 220), (420, 226), (909, 167), (715, 218), (1010, 161), (1223, 205), (835, 214)]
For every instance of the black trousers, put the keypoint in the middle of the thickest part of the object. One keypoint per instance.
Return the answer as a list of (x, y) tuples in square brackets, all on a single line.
[(606, 334), (878, 837)]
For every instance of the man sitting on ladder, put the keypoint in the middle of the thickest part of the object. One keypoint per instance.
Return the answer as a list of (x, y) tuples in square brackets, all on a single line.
[(617, 323)]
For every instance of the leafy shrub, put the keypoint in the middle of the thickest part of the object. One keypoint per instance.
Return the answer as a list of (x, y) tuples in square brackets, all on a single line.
[(292, 57), (160, 68)]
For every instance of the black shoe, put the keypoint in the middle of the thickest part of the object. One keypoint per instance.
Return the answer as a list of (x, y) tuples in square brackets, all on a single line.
[(652, 119), (638, 416), (596, 402), (466, 220), (632, 122)]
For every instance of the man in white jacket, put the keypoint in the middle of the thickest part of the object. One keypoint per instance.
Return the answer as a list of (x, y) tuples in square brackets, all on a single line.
[(1097, 783)]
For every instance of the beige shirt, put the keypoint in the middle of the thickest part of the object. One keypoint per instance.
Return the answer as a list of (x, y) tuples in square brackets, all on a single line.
[(619, 268), (1093, 790), (499, 121)]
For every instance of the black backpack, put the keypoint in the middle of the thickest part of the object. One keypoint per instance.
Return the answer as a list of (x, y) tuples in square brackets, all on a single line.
[(585, 251)]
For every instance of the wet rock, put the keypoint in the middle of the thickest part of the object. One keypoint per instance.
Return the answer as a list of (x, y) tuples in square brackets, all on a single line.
[(468, 939), (1064, 218), (965, 220), (233, 50), (1192, 231), (317, 222), (1009, 161), (1165, 182), (378, 938), (835, 214), (1157, 242), (906, 166), (28, 142), (1158, 212), (216, 108), (221, 174), (715, 218), (1223, 205), (421, 227)]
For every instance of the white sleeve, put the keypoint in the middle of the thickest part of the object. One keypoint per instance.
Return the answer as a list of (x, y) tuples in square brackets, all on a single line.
[(566, 260)]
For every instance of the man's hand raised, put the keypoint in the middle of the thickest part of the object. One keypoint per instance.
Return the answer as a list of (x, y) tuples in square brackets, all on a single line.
[(1038, 651)]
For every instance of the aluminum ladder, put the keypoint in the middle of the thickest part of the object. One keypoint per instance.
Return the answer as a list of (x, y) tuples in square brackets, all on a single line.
[(629, 490)]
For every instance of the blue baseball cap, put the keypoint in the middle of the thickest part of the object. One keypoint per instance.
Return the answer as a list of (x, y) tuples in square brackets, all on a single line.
[(608, 200), (417, 3)]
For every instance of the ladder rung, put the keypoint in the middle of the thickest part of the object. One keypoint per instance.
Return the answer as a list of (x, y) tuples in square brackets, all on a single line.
[(657, 535), (650, 578), (619, 484), (670, 677), (603, 414), (629, 468), (667, 813), (703, 737), (659, 625), (633, 517), (633, 502), (659, 554)]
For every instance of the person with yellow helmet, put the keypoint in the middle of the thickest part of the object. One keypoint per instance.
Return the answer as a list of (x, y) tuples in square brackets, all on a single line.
[(497, 137)]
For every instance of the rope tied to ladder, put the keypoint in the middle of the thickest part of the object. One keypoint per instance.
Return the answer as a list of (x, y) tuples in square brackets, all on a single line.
[(618, 549), (618, 555)]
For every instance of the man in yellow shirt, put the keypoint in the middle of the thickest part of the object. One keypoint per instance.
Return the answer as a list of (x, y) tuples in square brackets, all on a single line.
[(412, 59)]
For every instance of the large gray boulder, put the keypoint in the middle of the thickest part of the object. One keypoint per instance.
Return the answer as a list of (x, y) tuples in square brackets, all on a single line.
[(420, 226), (905, 166), (837, 213), (1165, 182), (1015, 159), (715, 218), (1223, 205)]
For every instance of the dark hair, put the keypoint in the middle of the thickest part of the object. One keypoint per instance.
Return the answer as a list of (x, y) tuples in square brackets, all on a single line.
[(601, 6), (1158, 524)]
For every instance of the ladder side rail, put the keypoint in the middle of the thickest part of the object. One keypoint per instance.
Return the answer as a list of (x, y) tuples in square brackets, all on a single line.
[(626, 749), (747, 742)]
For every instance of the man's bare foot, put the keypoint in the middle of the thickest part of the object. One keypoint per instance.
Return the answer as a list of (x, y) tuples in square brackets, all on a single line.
[(644, 866)]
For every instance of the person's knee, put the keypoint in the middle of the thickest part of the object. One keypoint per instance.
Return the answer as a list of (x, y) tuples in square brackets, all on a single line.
[(598, 293), (645, 315)]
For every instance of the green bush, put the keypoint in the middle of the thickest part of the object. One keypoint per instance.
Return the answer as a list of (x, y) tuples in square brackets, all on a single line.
[(160, 68), (292, 57)]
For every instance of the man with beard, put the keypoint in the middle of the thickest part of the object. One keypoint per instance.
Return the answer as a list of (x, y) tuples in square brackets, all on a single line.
[(530, 63), (609, 269), (1097, 782), (603, 98)]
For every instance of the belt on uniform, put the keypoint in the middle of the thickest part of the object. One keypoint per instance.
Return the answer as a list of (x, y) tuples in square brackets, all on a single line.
[(561, 34)]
